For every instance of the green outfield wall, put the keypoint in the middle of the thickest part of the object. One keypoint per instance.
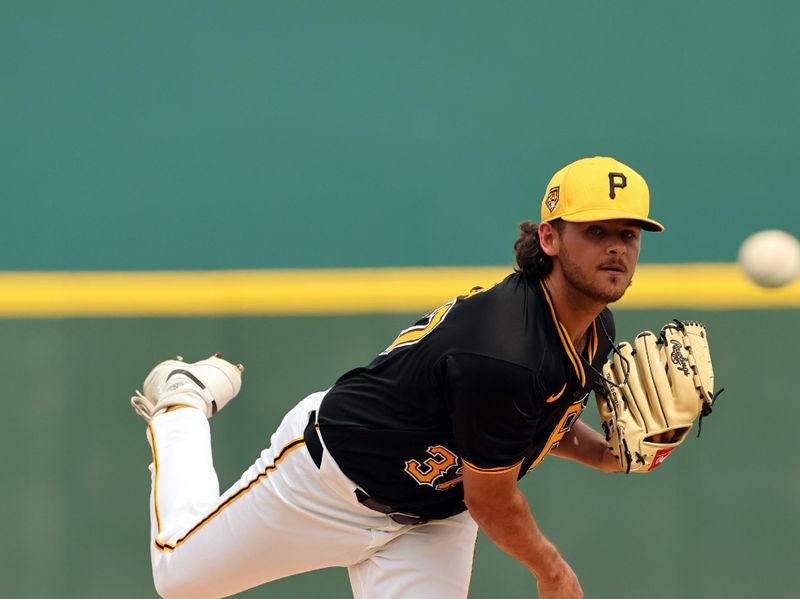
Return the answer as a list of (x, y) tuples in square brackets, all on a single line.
[(207, 135), (718, 520)]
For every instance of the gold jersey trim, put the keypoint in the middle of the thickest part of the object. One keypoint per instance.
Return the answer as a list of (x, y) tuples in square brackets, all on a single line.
[(497, 470), (593, 342), (572, 354), (155, 477)]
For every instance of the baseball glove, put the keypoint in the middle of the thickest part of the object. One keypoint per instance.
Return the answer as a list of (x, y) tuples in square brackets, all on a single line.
[(653, 391)]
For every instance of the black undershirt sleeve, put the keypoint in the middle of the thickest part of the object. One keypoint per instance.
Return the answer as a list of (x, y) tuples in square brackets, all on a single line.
[(495, 408)]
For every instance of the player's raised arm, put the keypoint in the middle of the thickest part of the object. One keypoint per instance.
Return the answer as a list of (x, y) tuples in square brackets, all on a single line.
[(501, 510)]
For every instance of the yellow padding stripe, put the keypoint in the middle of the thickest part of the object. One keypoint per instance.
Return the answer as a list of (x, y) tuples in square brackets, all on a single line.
[(499, 470), (345, 291), (287, 449)]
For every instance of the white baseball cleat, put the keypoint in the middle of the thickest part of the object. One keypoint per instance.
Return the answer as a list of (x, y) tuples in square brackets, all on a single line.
[(207, 385)]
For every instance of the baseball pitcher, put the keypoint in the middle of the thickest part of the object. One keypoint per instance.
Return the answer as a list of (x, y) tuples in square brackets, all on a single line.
[(391, 472)]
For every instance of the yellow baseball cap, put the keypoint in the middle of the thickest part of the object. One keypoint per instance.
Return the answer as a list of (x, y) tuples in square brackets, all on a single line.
[(599, 188)]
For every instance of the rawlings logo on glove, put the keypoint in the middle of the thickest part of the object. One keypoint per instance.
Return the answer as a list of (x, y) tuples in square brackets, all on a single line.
[(677, 357), (653, 391)]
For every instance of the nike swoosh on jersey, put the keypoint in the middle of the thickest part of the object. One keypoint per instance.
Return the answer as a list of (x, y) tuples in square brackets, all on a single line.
[(552, 398)]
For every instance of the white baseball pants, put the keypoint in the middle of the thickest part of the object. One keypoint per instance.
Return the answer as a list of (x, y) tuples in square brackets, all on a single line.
[(285, 516)]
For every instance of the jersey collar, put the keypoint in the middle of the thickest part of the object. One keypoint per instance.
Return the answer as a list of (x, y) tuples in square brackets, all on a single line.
[(569, 348)]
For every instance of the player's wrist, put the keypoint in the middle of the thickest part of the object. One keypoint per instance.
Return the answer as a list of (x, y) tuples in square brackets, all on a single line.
[(552, 570), (545, 561), (608, 461)]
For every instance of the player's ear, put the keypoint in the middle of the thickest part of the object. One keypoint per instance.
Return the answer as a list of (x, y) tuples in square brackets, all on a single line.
[(549, 239)]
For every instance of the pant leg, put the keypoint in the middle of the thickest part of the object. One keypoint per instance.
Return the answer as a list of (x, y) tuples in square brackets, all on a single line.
[(280, 518), (429, 561), (185, 486)]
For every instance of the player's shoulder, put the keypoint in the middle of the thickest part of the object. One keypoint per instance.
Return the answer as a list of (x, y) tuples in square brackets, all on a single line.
[(501, 322), (511, 288), (495, 310)]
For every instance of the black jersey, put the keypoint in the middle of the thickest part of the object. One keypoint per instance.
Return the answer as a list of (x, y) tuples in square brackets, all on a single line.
[(488, 381)]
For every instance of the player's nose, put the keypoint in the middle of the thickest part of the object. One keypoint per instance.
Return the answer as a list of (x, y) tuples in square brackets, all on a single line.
[(616, 249)]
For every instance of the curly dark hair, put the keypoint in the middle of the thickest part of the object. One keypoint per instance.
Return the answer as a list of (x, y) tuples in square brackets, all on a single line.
[(531, 260)]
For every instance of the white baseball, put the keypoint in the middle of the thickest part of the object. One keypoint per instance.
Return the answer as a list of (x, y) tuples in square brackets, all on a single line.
[(770, 258)]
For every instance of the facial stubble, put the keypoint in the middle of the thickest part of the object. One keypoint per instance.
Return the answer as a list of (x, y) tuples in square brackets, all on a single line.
[(591, 287)]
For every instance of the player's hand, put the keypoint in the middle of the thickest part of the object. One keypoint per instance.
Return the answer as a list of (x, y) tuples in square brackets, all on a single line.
[(562, 584)]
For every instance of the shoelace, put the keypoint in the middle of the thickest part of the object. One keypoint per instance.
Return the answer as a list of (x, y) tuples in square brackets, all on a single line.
[(142, 406)]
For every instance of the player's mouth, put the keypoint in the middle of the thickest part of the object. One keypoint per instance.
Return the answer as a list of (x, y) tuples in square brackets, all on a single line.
[(616, 268)]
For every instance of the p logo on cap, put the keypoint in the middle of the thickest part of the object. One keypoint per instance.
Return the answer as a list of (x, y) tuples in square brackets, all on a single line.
[(599, 188), (612, 183)]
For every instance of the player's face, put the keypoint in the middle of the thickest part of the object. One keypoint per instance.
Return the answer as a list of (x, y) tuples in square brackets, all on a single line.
[(598, 258)]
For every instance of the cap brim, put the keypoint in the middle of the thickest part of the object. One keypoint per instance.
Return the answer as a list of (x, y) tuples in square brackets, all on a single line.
[(586, 216)]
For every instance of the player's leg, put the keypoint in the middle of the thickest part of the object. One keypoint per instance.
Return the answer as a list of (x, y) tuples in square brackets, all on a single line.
[(428, 561), (184, 483), (279, 519), (185, 486)]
